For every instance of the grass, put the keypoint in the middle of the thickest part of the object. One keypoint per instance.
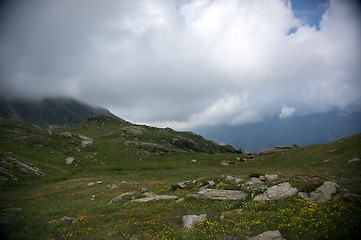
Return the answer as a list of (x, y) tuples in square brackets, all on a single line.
[(64, 190)]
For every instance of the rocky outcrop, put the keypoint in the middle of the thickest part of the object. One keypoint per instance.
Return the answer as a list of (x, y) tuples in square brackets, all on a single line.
[(279, 191), (269, 235), (7, 165), (189, 221), (281, 148), (220, 194)]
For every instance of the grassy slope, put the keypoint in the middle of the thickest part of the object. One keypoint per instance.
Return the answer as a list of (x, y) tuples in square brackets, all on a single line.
[(65, 191)]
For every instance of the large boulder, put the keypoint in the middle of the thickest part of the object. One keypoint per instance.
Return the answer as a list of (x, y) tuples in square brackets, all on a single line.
[(279, 191)]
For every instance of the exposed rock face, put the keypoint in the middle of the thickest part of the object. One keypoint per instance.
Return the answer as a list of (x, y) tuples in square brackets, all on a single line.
[(6, 168), (281, 148), (269, 235), (69, 160), (190, 220), (220, 194), (279, 191)]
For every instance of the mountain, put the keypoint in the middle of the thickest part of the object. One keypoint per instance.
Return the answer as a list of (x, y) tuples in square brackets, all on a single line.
[(49, 111), (301, 130)]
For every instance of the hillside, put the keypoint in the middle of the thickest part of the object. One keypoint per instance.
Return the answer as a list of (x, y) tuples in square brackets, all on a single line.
[(106, 178), (48, 111), (300, 130)]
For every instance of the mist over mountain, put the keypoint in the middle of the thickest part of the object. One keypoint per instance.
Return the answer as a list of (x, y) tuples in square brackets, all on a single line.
[(48, 111), (300, 130)]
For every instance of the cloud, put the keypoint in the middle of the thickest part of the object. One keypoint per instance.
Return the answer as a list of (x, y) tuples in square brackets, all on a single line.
[(183, 63), (287, 112)]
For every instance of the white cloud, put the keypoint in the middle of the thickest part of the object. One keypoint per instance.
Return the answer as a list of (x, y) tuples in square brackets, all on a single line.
[(183, 63), (287, 112)]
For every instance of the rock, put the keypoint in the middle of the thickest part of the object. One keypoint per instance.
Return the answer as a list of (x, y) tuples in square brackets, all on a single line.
[(324, 192), (220, 194), (153, 198), (233, 179), (327, 160), (66, 135), (262, 178), (254, 180), (269, 235), (279, 191), (271, 177), (87, 143), (304, 195), (69, 160), (134, 130), (189, 221), (120, 197), (211, 183), (184, 184), (91, 183), (99, 182), (65, 219), (353, 160), (194, 161), (227, 163), (352, 197)]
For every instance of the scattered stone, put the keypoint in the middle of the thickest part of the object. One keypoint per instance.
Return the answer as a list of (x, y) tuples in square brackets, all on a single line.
[(194, 161), (91, 183), (189, 221), (327, 160), (87, 143), (121, 196), (7, 162), (134, 130), (269, 235), (69, 160), (227, 163), (254, 180), (66, 135), (211, 183), (64, 219), (93, 197), (271, 178), (352, 197), (233, 179), (143, 190), (99, 182), (220, 194), (183, 184), (180, 200), (262, 178), (279, 191), (353, 160), (324, 192), (153, 198)]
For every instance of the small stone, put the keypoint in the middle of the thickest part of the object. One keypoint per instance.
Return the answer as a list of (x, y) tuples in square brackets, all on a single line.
[(194, 160), (262, 178), (99, 182), (352, 197), (211, 183), (91, 183), (69, 160), (271, 177)]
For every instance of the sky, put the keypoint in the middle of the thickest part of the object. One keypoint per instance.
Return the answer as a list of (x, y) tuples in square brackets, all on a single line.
[(185, 63)]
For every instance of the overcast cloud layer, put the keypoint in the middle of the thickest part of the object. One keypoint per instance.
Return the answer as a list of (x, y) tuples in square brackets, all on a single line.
[(183, 63)]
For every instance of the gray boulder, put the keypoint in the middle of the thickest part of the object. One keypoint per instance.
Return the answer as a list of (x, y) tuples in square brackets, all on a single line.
[(190, 220), (279, 191), (324, 192), (269, 235), (153, 198), (220, 194), (121, 196)]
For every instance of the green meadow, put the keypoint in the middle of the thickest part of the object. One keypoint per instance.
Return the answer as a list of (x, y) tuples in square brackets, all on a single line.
[(155, 160)]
